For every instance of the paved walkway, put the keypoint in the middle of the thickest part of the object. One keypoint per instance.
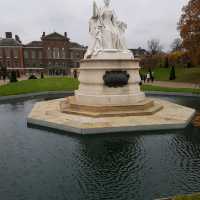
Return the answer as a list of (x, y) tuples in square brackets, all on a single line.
[(3, 82), (19, 79), (175, 84)]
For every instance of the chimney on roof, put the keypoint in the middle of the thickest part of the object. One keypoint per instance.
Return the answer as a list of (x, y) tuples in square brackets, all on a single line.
[(8, 34), (17, 39), (65, 34)]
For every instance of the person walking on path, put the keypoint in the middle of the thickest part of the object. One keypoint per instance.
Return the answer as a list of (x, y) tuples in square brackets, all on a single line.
[(148, 77), (75, 74)]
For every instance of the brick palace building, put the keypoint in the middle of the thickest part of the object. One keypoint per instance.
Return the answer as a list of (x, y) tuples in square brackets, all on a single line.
[(11, 52), (54, 52)]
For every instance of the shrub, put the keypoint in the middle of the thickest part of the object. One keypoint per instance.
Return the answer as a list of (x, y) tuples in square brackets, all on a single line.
[(189, 65), (151, 75), (4, 72), (166, 64), (42, 75), (13, 77), (18, 74), (172, 74), (32, 77)]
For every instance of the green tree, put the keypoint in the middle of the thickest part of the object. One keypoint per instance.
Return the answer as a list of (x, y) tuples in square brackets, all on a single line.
[(13, 77), (166, 64), (3, 71), (189, 65), (172, 74), (42, 75)]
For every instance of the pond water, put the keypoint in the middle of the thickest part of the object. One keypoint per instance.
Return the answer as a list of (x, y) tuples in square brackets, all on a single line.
[(40, 165)]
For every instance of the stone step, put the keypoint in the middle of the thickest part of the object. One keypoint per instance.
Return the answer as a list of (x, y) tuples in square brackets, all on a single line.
[(109, 113), (142, 105)]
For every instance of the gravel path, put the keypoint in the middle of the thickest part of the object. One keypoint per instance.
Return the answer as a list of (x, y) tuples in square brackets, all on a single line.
[(175, 84)]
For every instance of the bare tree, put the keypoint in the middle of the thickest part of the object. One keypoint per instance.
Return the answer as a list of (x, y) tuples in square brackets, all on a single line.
[(176, 44), (154, 46)]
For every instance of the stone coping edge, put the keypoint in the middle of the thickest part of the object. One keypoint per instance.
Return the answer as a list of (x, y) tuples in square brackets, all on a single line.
[(33, 95), (70, 93)]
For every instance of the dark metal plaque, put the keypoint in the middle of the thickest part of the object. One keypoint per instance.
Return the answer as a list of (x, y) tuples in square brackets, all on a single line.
[(116, 78)]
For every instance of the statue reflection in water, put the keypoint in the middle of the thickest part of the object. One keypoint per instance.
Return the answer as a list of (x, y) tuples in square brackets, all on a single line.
[(106, 31)]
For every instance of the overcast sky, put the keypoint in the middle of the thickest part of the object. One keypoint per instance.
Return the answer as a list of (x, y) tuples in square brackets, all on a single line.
[(146, 19)]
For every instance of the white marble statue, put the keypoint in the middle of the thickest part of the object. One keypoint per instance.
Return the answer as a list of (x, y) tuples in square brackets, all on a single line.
[(107, 33)]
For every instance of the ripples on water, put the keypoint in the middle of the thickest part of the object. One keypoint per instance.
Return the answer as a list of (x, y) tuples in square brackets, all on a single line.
[(39, 165)]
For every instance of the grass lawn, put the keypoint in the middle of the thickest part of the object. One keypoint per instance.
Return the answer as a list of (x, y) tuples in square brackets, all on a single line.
[(68, 84), (188, 75), (39, 85)]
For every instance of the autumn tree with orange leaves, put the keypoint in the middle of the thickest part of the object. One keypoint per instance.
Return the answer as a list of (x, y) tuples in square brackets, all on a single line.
[(189, 26)]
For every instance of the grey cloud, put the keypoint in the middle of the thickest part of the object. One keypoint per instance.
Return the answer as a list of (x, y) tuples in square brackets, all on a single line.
[(146, 19)]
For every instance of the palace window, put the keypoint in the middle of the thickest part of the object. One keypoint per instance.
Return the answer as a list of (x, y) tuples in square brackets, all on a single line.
[(1, 53), (15, 53), (40, 54), (16, 64), (26, 55), (49, 53), (7, 52), (8, 63), (56, 53), (78, 64), (62, 53), (33, 54), (72, 55), (77, 55)]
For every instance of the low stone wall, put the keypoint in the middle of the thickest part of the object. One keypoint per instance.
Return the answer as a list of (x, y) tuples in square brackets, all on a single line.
[(58, 94), (53, 94)]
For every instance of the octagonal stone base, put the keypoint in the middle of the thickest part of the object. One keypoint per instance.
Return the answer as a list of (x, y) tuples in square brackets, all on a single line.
[(141, 108), (48, 114)]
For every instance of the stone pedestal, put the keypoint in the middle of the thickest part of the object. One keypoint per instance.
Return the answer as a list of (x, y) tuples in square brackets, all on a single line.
[(109, 87), (95, 90)]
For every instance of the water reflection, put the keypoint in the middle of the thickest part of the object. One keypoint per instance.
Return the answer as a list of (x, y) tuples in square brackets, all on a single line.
[(105, 166), (36, 164), (185, 156)]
